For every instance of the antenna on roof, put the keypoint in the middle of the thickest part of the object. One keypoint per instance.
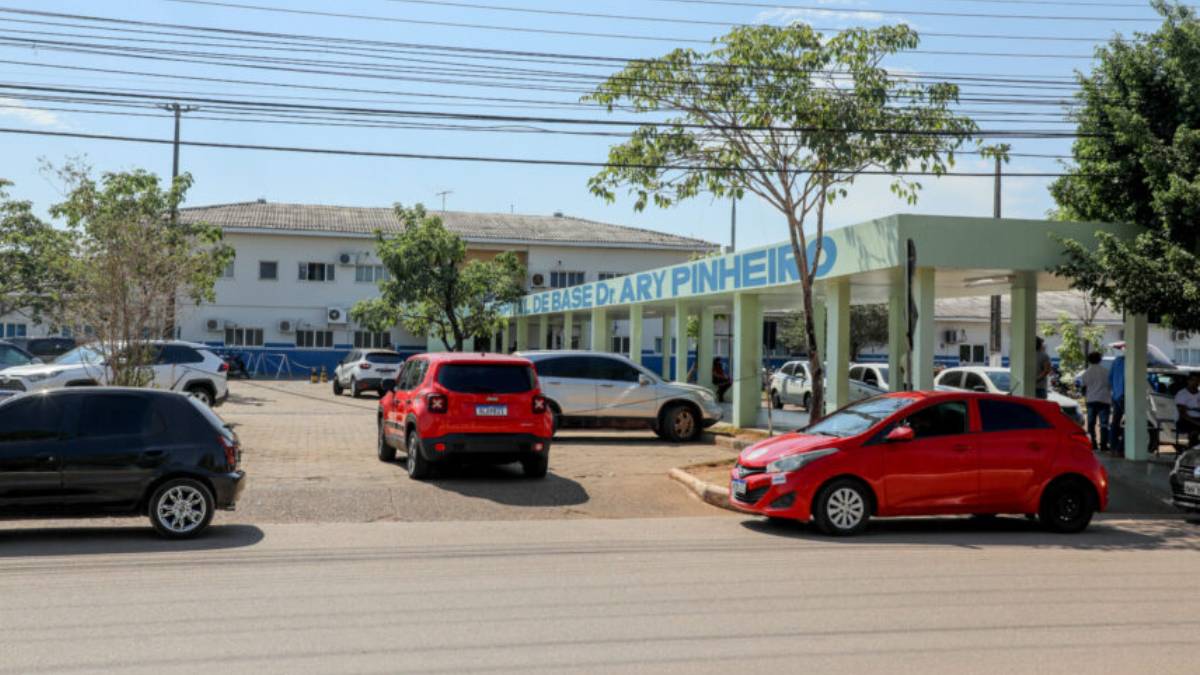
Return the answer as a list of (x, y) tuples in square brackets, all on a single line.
[(443, 194)]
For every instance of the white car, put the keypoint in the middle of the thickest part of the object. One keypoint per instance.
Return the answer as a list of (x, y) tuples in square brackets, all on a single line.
[(791, 384), (603, 390), (867, 380), (997, 381), (366, 369), (178, 366)]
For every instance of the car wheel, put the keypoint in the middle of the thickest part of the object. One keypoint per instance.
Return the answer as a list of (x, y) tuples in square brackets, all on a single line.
[(555, 419), (680, 424), (418, 467), (1067, 507), (181, 508), (776, 402), (386, 452), (354, 390), (808, 402), (535, 466), (202, 394), (337, 386), (842, 508)]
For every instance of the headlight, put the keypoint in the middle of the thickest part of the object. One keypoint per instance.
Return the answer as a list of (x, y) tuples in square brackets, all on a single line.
[(796, 462), (707, 396), (38, 377)]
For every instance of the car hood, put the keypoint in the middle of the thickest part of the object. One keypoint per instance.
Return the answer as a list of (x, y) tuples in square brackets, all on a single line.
[(1062, 401), (34, 369), (681, 387), (765, 452)]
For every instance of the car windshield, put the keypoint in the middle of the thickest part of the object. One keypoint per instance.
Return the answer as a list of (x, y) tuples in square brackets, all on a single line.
[(384, 357), (1001, 378), (80, 355), (859, 417), (11, 356), (485, 378), (883, 372)]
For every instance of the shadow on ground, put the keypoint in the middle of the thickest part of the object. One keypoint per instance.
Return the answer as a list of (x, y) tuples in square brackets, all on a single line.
[(1149, 534), (107, 540), (506, 484)]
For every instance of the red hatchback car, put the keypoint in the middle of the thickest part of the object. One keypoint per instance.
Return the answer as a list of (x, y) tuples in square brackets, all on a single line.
[(926, 453), (454, 405)]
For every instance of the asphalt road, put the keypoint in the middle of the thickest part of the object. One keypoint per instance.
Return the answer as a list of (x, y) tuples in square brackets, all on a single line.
[(686, 595)]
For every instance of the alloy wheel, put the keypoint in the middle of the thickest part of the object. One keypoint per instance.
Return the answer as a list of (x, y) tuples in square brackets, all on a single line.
[(181, 509), (413, 449), (202, 395), (684, 424), (846, 508)]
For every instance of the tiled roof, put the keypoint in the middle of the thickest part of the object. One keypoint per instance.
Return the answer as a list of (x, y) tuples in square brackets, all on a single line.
[(474, 227), (1051, 305)]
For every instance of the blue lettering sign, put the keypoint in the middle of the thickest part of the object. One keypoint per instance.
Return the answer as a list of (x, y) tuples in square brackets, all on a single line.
[(707, 277), (753, 268), (659, 276), (680, 276), (627, 290), (730, 276), (644, 281), (603, 294)]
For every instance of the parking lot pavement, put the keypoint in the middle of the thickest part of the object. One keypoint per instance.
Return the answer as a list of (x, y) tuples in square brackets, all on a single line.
[(310, 457)]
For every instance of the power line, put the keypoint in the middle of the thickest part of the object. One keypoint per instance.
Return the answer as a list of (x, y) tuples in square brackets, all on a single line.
[(898, 13)]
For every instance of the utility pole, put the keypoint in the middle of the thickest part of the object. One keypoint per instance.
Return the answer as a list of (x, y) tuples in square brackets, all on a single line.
[(443, 194), (178, 110), (995, 355), (732, 224)]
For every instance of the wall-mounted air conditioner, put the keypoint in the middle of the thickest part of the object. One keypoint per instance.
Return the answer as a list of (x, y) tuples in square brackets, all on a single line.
[(286, 326), (213, 325), (537, 280), (1180, 335), (336, 315), (346, 258)]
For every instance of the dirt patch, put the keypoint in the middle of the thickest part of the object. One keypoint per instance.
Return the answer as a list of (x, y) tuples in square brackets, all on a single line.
[(716, 472)]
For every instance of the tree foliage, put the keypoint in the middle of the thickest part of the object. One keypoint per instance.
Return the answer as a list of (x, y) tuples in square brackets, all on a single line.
[(1138, 161), (433, 289), (34, 257), (868, 328), (1076, 339), (787, 114)]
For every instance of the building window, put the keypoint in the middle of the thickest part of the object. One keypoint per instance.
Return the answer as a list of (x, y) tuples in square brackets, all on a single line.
[(620, 344), (243, 337), (1187, 357), (315, 271), (227, 271), (564, 279), (13, 330), (318, 339), (268, 270), (770, 335), (365, 339), (972, 354), (605, 276), (370, 273)]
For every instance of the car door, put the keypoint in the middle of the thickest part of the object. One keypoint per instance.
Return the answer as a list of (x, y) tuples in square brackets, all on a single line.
[(937, 471), (778, 379), (620, 392), (407, 382), (796, 384), (339, 372), (569, 382), (32, 438), (1014, 445), (973, 381), (120, 441)]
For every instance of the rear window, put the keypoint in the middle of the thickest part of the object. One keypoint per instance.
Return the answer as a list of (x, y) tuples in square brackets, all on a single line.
[(1009, 416), (384, 357), (211, 417), (485, 378)]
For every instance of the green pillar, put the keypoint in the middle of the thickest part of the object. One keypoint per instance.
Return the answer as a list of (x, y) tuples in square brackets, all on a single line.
[(704, 348), (666, 345), (635, 334), (1022, 352), (837, 344), (568, 329), (923, 332), (543, 337), (746, 360), (600, 330), (681, 342), (897, 338), (1136, 438), (522, 334), (819, 316), (505, 338)]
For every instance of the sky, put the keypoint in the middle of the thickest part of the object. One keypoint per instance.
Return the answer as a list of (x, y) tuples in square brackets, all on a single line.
[(1050, 48)]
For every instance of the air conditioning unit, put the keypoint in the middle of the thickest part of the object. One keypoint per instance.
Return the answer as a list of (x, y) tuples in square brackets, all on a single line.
[(346, 259), (286, 326), (213, 325), (538, 280), (1180, 336), (336, 315)]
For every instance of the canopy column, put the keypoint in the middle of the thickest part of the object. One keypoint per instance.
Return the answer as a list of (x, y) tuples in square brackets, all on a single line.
[(543, 337), (681, 342), (568, 330), (600, 330), (522, 331), (923, 332), (635, 334), (1022, 350), (1136, 438), (746, 360), (506, 331), (897, 335), (704, 348), (667, 321), (837, 343)]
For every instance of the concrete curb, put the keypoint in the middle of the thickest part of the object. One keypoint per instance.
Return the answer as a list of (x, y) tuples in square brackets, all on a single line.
[(707, 492)]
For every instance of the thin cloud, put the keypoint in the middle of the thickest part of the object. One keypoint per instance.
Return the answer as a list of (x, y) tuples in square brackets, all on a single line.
[(11, 107)]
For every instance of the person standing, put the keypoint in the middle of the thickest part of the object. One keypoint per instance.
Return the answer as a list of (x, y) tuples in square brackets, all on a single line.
[(1044, 368), (1116, 382), (1097, 392), (1187, 401)]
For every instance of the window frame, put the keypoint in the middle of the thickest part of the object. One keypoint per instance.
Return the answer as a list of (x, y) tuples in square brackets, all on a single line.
[(312, 339), (274, 277), (244, 331), (565, 277), (307, 267)]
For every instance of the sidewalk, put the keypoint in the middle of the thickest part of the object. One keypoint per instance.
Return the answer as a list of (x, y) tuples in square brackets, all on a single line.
[(1139, 487), (788, 419)]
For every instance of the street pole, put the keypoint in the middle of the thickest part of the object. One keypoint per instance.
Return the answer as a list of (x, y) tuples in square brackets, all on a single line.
[(178, 110), (995, 357), (732, 224), (443, 194)]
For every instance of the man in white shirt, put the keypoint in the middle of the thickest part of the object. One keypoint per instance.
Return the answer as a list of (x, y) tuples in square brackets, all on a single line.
[(1097, 392), (1187, 401)]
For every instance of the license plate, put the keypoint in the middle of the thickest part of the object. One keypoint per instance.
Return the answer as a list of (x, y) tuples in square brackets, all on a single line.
[(738, 486), (386, 371), (491, 410), (1191, 489)]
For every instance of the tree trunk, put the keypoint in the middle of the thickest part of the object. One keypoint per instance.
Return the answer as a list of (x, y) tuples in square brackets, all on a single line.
[(816, 368)]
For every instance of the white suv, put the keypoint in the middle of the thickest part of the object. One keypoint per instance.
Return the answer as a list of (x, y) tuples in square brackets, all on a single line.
[(602, 390), (179, 366), (366, 369), (791, 384), (997, 381)]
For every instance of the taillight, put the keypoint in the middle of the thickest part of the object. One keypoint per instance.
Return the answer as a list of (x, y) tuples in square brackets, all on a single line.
[(231, 450), (539, 404), (364, 365), (437, 403), (223, 368)]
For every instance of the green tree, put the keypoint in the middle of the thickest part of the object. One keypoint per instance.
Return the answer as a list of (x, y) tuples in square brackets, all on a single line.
[(1076, 338), (433, 289), (1138, 161), (787, 114), (868, 328), (130, 265), (34, 259)]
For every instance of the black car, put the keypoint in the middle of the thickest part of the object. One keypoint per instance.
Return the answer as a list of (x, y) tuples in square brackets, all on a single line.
[(1185, 481), (45, 348), (110, 451), (13, 355)]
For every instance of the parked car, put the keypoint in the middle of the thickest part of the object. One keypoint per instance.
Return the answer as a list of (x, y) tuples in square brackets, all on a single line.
[(366, 369), (11, 356), (175, 365), (453, 405), (602, 390), (1185, 481), (108, 451), (791, 385), (867, 380), (997, 381), (45, 348), (926, 453)]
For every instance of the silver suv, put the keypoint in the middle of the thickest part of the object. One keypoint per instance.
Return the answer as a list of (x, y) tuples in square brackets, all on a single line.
[(366, 369), (602, 390)]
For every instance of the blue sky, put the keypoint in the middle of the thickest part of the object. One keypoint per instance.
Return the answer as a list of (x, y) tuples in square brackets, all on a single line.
[(229, 175)]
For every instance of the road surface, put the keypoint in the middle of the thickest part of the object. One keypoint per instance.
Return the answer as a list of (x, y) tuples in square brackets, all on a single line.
[(683, 595)]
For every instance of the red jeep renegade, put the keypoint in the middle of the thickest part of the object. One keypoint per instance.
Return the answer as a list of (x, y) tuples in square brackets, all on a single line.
[(484, 406)]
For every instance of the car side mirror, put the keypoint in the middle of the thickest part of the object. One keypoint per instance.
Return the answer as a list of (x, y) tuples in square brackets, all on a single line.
[(900, 435), (644, 381)]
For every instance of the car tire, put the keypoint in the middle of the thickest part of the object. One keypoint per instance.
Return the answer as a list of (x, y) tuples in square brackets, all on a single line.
[(776, 402), (536, 466), (181, 508), (418, 467), (386, 452), (337, 387), (807, 403), (202, 394), (555, 418), (680, 423), (354, 390), (1067, 507), (842, 508)]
